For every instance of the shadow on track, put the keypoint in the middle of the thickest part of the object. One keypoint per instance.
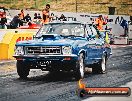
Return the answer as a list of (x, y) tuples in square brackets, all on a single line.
[(54, 77)]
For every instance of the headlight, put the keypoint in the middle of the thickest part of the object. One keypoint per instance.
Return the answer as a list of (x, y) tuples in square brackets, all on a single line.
[(66, 50), (19, 50)]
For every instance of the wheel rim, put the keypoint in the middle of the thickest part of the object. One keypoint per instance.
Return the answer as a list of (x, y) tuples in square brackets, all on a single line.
[(103, 64), (81, 67)]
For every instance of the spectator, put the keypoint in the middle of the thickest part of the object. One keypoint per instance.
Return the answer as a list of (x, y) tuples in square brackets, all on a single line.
[(27, 18), (124, 24), (100, 22), (15, 22), (46, 14), (22, 15), (35, 16), (62, 18), (20, 20), (3, 22), (39, 17)]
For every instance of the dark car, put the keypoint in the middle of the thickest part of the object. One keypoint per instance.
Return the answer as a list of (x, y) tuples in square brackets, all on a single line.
[(63, 46)]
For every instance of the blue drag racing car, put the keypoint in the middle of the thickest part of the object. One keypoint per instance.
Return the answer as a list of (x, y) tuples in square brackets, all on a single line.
[(63, 46)]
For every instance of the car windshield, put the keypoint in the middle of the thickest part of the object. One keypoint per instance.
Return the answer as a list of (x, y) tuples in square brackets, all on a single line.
[(63, 29)]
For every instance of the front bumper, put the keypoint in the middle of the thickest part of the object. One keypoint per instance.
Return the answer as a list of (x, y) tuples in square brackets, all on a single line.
[(49, 62)]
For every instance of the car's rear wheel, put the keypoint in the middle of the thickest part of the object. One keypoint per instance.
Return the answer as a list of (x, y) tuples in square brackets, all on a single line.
[(79, 74), (100, 67), (22, 69)]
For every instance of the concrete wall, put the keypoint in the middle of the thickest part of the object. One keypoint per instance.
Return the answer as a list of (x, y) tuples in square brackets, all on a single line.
[(8, 39)]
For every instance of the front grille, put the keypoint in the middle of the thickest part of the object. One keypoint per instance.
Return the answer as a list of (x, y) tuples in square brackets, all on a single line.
[(44, 50)]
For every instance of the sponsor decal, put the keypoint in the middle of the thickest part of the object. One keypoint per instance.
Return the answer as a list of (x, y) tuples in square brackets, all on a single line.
[(23, 38)]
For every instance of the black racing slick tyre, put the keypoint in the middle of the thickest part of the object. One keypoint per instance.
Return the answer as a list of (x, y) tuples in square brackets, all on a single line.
[(100, 67), (79, 74), (22, 69)]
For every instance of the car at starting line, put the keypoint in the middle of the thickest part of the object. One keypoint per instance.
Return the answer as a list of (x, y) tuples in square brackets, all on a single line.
[(63, 46)]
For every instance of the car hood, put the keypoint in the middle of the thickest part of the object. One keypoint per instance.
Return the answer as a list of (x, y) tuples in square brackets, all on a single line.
[(58, 42)]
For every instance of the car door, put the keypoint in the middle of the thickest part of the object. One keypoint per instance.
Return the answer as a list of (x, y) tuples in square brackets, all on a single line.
[(94, 46)]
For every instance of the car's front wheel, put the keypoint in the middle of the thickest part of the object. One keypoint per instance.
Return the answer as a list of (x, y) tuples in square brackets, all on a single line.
[(22, 69), (79, 74)]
